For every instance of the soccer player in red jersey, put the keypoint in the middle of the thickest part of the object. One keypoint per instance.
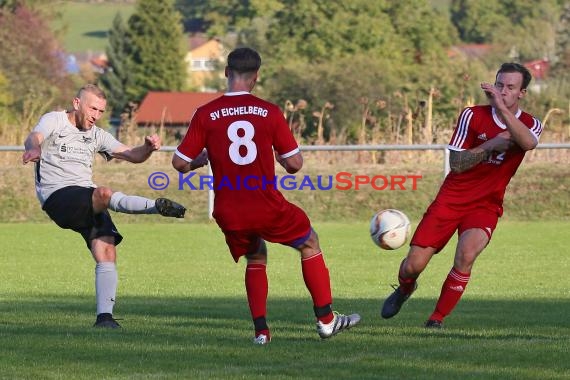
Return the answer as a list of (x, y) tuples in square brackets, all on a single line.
[(241, 134), (487, 147)]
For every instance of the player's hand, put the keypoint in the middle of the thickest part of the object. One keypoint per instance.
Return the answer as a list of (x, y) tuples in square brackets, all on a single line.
[(153, 142), (200, 160), (502, 142), (32, 155), (493, 94)]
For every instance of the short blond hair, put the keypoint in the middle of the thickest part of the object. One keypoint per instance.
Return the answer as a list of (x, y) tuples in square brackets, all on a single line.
[(92, 89)]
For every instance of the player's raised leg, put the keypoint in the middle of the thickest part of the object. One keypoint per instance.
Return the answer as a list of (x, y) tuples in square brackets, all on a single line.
[(410, 269), (104, 197)]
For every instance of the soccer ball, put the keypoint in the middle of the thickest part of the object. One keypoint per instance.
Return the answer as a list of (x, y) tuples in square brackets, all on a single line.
[(390, 229)]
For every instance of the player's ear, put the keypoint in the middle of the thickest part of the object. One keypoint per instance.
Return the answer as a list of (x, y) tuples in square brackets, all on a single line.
[(76, 104), (522, 93)]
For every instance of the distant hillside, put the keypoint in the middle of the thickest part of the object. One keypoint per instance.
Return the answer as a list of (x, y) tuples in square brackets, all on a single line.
[(86, 24)]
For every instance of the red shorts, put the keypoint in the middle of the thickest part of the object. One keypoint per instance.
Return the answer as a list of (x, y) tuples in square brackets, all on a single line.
[(290, 227), (440, 222)]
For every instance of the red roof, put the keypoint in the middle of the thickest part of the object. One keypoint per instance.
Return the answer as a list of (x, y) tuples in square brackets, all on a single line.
[(538, 68), (172, 108), (100, 62)]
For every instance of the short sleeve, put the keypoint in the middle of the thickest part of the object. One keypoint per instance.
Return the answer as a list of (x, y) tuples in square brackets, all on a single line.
[(283, 140), (194, 141), (461, 138), (106, 144), (47, 124)]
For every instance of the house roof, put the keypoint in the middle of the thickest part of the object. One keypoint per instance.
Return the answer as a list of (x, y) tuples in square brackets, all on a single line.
[(171, 107), (538, 68), (197, 40)]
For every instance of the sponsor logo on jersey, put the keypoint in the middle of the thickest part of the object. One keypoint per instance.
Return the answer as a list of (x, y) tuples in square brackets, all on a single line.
[(482, 136)]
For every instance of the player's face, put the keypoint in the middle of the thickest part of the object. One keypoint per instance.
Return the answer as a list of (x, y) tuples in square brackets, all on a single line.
[(89, 108), (509, 84)]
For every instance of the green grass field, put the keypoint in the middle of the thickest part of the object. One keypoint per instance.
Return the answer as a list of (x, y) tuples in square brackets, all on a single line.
[(185, 315), (86, 25)]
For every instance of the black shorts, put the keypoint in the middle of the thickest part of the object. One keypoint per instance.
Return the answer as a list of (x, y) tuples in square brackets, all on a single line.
[(72, 208)]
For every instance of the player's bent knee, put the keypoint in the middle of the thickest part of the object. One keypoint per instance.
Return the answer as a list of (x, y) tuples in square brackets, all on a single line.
[(102, 196), (411, 269), (416, 263)]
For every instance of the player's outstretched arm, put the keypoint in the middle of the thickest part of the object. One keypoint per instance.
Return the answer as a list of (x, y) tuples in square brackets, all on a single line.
[(139, 153), (33, 147)]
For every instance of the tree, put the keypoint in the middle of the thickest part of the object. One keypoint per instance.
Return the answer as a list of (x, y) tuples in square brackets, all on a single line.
[(5, 99), (116, 78), (218, 17), (562, 62), (157, 49), (429, 31), (321, 30), (32, 64), (342, 52), (477, 21), (525, 25)]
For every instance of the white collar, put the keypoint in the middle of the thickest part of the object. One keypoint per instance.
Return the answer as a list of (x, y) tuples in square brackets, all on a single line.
[(499, 123)]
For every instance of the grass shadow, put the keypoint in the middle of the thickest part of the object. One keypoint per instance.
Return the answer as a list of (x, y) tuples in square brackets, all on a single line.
[(178, 337), (96, 34)]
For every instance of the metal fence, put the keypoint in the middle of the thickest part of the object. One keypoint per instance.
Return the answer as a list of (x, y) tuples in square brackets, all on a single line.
[(340, 148)]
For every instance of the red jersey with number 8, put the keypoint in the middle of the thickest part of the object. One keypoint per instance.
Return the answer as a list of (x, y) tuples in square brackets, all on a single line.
[(483, 185), (240, 132)]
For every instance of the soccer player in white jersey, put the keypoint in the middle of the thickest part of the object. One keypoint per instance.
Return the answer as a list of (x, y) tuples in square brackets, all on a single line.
[(63, 146)]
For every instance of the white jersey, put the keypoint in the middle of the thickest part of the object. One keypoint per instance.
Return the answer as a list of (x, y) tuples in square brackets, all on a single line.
[(68, 154)]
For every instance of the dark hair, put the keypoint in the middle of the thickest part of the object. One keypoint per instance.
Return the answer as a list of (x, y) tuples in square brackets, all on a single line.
[(92, 89), (512, 67), (244, 60)]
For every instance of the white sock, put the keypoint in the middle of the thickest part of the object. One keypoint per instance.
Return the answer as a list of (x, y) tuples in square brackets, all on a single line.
[(105, 286), (131, 204)]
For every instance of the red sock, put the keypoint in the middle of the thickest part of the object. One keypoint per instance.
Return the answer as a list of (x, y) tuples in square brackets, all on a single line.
[(451, 292), (256, 286), (407, 285), (317, 280)]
